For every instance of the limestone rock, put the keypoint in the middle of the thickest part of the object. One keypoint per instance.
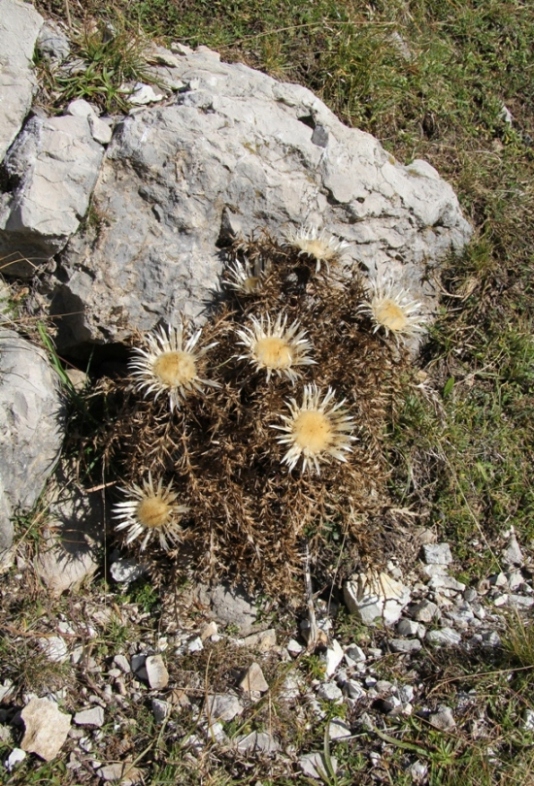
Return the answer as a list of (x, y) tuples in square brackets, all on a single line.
[(68, 557), (314, 766), (223, 706), (31, 434), (53, 43), (372, 596), (19, 27), (254, 680), (46, 728), (157, 674), (257, 742), (92, 716), (229, 605), (54, 164), (237, 151)]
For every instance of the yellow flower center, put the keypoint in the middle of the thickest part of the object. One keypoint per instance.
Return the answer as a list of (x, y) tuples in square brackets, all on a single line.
[(251, 284), (390, 315), (273, 352), (175, 369), (318, 249), (313, 432), (153, 512)]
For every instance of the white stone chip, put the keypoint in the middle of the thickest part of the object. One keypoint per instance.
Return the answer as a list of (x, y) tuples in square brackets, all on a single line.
[(371, 596), (93, 716), (334, 656), (314, 766), (15, 757), (157, 674), (254, 680), (46, 728)]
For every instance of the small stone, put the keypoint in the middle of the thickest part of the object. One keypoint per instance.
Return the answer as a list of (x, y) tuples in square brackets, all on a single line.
[(329, 691), (529, 720), (15, 757), (338, 729), (515, 579), (209, 630), (408, 627), (446, 637), (122, 662), (437, 554), (512, 553), (443, 719), (124, 773), (391, 705), (195, 645), (157, 674), (223, 706), (470, 594), (491, 639), (262, 642), (46, 728), (353, 690), (406, 693), (405, 646), (355, 653), (55, 648), (334, 656), (80, 108), (138, 666), (101, 130), (144, 94), (294, 648), (498, 580), (254, 680), (418, 772), (124, 571), (94, 717), (520, 601), (500, 600), (371, 596), (446, 583), (425, 611), (160, 710), (215, 732), (257, 742), (314, 766)]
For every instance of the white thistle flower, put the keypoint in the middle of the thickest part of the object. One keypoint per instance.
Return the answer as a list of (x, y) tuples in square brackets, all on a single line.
[(151, 510), (392, 309), (277, 348), (244, 277), (316, 430), (169, 365), (322, 246)]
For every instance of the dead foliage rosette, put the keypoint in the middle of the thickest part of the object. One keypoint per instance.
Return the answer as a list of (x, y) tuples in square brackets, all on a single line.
[(237, 444)]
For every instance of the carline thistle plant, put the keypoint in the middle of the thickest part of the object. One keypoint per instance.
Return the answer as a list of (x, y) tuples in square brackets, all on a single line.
[(276, 450)]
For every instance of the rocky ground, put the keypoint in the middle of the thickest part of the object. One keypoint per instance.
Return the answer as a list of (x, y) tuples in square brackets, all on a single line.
[(119, 682)]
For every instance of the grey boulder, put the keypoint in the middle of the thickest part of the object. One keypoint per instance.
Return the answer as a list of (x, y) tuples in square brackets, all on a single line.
[(234, 151), (31, 414), (20, 24), (54, 164)]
